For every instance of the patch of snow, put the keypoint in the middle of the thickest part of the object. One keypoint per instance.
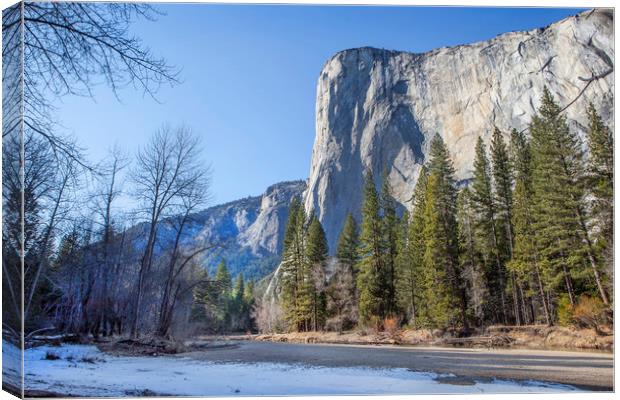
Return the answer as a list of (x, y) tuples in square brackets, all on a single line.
[(11, 364), (85, 371)]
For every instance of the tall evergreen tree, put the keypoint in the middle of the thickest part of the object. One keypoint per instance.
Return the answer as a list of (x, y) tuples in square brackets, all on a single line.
[(239, 288), (437, 259), (371, 278), (296, 295), (389, 241), (218, 297), (348, 242), (411, 257), (503, 180), (223, 279), (317, 252), (248, 301), (471, 261), (342, 290), (445, 293), (601, 180), (487, 233), (558, 181), (525, 262)]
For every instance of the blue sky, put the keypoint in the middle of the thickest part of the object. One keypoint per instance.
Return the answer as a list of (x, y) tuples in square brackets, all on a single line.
[(249, 78)]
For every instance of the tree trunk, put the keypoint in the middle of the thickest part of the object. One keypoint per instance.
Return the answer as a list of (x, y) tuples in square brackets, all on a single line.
[(543, 299)]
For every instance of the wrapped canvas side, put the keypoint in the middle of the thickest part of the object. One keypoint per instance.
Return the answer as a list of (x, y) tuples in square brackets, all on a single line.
[(13, 207)]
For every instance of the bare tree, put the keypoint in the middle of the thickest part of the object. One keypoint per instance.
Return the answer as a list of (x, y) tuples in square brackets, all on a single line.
[(58, 204), (67, 48), (43, 188), (167, 178), (49, 50), (341, 298), (180, 257), (104, 198), (269, 315)]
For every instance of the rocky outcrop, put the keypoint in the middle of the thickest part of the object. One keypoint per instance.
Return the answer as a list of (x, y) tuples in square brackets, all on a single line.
[(267, 231), (249, 232), (379, 109)]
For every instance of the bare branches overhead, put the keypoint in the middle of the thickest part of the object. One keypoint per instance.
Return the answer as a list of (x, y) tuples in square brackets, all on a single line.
[(53, 49)]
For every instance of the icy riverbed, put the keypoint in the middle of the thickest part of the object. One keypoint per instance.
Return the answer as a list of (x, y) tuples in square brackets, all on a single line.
[(85, 371)]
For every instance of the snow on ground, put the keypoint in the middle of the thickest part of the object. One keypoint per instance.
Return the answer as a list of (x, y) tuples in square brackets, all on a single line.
[(11, 364), (85, 371)]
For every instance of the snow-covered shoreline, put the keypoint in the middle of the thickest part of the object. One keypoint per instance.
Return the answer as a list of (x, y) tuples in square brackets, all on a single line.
[(83, 370)]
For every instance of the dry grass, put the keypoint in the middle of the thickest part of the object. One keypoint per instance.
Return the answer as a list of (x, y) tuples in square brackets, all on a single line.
[(533, 337)]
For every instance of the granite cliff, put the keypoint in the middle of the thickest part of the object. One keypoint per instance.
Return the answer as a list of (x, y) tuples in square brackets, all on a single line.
[(379, 109)]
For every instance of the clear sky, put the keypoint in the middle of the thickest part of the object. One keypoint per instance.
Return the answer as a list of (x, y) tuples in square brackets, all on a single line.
[(249, 78)]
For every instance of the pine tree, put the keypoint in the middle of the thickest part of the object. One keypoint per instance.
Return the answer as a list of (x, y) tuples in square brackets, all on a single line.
[(317, 252), (342, 291), (470, 259), (389, 241), (503, 180), (558, 181), (239, 288), (444, 291), (296, 294), (223, 279), (601, 180), (525, 262), (371, 276), (348, 243), (487, 235), (219, 296), (249, 301), (440, 301), (411, 256)]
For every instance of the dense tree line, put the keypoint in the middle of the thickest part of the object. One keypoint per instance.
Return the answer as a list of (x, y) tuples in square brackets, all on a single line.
[(527, 240), (220, 307)]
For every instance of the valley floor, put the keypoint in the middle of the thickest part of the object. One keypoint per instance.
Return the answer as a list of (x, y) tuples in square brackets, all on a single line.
[(264, 368)]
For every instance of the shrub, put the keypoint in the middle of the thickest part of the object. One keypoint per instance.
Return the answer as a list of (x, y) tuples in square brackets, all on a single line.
[(391, 326), (50, 355), (590, 312), (565, 311)]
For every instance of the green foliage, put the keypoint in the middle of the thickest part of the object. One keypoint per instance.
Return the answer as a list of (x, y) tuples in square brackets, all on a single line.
[(560, 220), (488, 235), (514, 246), (303, 271), (565, 311), (219, 306), (600, 170), (412, 245), (440, 300), (372, 276), (223, 279), (470, 259), (525, 262), (342, 291), (443, 283), (317, 252), (295, 289), (389, 243), (348, 243)]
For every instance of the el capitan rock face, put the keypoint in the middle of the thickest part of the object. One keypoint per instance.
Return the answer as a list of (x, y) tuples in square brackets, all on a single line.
[(379, 109)]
